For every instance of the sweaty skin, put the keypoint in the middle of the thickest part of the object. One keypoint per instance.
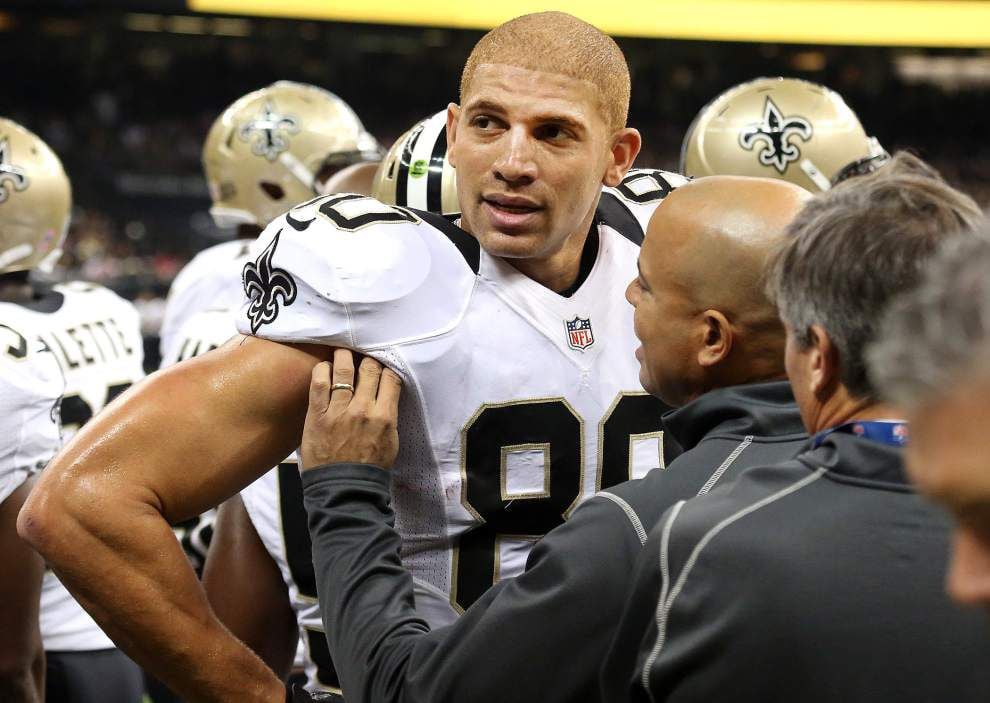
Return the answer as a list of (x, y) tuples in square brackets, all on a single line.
[(101, 511), (701, 313)]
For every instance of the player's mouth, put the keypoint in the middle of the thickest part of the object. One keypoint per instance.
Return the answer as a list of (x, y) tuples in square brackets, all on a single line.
[(510, 212)]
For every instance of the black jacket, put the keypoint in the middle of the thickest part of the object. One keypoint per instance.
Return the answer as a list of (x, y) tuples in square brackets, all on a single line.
[(541, 636), (818, 579)]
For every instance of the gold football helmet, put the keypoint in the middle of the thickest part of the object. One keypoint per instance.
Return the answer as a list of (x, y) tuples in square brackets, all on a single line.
[(271, 149), (35, 200), (415, 172), (783, 128)]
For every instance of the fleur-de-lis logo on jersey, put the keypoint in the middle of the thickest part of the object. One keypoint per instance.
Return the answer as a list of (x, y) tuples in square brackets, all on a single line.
[(269, 131), (264, 284), (775, 133), (10, 175)]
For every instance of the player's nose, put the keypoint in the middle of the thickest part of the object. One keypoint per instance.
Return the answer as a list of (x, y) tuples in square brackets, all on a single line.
[(516, 163), (632, 293)]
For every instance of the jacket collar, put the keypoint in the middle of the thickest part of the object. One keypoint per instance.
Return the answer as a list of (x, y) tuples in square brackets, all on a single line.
[(855, 459), (758, 409)]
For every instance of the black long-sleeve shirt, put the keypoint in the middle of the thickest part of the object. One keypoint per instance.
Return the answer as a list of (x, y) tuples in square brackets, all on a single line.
[(541, 636), (818, 579)]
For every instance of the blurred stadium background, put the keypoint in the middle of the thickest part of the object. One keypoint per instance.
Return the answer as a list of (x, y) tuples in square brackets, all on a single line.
[(125, 90)]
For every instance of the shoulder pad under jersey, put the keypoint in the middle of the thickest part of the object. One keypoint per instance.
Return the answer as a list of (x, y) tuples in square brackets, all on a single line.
[(633, 201), (348, 270)]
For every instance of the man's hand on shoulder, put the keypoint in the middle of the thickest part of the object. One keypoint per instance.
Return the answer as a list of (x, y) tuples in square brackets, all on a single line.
[(351, 420)]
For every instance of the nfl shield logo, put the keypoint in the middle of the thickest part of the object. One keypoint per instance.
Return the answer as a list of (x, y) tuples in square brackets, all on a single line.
[(579, 334)]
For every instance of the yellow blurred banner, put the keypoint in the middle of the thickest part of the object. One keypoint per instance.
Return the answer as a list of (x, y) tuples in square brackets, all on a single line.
[(963, 23)]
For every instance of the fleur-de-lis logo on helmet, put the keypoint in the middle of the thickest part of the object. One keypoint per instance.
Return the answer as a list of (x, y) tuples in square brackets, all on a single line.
[(775, 133), (264, 284), (269, 131), (10, 175)]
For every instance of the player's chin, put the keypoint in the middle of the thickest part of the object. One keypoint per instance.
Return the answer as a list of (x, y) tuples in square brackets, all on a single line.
[(512, 244)]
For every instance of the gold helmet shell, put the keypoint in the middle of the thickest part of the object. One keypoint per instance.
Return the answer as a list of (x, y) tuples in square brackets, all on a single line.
[(35, 201), (783, 128), (266, 152), (415, 173)]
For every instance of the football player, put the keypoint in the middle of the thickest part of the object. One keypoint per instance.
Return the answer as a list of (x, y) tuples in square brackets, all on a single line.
[(95, 337), (31, 384), (259, 574), (510, 333), (269, 150), (784, 128)]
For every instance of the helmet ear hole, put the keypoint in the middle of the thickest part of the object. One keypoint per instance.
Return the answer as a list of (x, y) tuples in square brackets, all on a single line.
[(272, 190)]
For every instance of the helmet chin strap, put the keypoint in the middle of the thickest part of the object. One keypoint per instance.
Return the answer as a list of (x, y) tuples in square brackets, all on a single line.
[(817, 177), (14, 254), (296, 168)]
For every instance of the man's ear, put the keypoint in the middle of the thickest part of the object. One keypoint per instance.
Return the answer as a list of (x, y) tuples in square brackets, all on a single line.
[(823, 362), (453, 114), (625, 147), (718, 339)]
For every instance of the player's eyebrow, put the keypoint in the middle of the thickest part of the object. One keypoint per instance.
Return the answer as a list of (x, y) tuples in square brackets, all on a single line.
[(484, 106)]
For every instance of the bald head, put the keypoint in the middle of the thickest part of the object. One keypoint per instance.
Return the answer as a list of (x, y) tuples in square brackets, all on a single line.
[(716, 235), (701, 312), (556, 42)]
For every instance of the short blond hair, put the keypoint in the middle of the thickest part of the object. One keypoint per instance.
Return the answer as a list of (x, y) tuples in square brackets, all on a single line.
[(556, 42)]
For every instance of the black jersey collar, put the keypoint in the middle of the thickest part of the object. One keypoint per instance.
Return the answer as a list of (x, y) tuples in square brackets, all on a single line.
[(45, 300), (589, 254)]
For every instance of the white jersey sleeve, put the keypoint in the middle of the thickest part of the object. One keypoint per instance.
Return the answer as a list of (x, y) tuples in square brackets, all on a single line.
[(346, 270), (211, 279), (31, 385), (643, 189)]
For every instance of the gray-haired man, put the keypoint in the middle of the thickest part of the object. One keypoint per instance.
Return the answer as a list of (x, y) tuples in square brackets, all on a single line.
[(934, 363), (818, 579)]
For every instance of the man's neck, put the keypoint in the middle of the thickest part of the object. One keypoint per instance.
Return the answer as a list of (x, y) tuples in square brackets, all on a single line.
[(840, 411), (558, 271)]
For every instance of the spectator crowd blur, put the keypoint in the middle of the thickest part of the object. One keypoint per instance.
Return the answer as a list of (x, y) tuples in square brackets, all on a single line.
[(126, 101)]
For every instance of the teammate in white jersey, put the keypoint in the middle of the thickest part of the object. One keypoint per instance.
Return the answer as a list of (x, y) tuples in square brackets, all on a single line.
[(269, 150), (30, 387), (474, 318), (94, 335)]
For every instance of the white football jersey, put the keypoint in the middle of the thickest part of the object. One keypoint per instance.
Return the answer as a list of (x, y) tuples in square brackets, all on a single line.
[(517, 404), (95, 335), (211, 279), (31, 385)]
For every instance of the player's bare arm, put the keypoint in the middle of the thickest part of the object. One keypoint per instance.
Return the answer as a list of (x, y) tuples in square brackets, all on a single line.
[(101, 513), (22, 658), (245, 589)]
